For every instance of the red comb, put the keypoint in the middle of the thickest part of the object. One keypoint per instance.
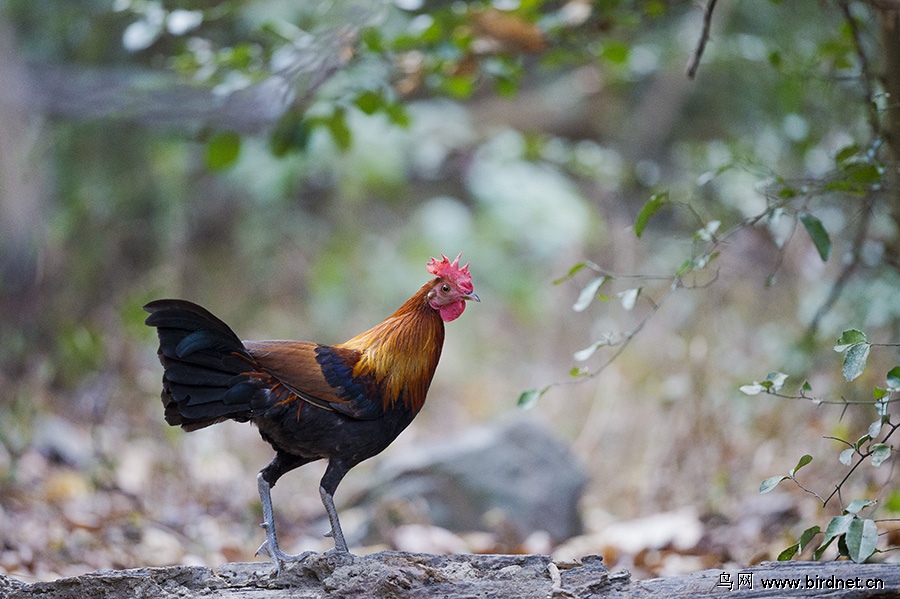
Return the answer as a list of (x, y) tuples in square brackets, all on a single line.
[(452, 271)]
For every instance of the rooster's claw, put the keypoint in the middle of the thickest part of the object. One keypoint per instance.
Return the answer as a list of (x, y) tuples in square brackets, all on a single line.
[(280, 557)]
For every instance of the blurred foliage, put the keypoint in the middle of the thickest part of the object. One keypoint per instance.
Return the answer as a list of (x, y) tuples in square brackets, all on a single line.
[(529, 134)]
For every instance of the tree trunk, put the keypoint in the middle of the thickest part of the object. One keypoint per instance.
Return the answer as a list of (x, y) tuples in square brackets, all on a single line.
[(21, 195), (890, 53)]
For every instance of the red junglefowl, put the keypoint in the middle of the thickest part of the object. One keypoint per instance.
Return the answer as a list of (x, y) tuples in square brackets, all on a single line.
[(343, 403)]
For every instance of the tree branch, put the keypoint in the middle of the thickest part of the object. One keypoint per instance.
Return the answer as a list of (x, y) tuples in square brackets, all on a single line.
[(885, 4), (161, 99), (694, 64), (868, 78)]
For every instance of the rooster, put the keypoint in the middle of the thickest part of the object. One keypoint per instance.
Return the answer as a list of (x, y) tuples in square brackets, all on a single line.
[(344, 403)]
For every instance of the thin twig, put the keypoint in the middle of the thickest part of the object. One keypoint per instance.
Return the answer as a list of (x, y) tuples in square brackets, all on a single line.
[(848, 269), (630, 335), (837, 487), (862, 458), (677, 282), (834, 402), (839, 440), (865, 70), (807, 490), (694, 64)]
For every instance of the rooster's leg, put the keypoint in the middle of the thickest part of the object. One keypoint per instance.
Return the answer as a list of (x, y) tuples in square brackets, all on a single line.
[(265, 480), (339, 543), (333, 475)]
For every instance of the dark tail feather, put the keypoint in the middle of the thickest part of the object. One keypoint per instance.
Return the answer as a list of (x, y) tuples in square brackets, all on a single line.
[(206, 365)]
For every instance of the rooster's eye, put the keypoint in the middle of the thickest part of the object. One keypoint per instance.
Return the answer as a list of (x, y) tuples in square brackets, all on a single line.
[(445, 288)]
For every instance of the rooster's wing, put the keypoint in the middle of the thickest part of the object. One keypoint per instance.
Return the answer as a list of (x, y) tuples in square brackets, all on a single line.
[(320, 375)]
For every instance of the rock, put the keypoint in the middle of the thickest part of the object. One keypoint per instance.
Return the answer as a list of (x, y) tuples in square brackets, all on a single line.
[(514, 479), (60, 441)]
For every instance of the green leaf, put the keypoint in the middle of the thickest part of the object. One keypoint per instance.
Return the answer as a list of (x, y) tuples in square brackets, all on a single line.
[(855, 360), (753, 389), (858, 504), (787, 193), (880, 453), (506, 86), (865, 174), (875, 428), (808, 535), (775, 58), (588, 294), (893, 378), (806, 459), (857, 177), (291, 134), (222, 150), (770, 483), (806, 387), (817, 554), (845, 153), (577, 267), (656, 201), (373, 39), (584, 354), (685, 267), (529, 398), (459, 87), (846, 457), (777, 380), (842, 546), (787, 554), (848, 338), (861, 538), (615, 52), (629, 297), (397, 113), (804, 540), (340, 132), (369, 102), (836, 527), (818, 234)]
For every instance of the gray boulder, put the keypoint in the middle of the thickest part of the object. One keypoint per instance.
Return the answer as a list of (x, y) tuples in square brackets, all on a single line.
[(513, 478)]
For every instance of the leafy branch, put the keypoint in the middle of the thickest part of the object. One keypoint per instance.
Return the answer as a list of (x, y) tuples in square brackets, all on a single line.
[(857, 537), (707, 240)]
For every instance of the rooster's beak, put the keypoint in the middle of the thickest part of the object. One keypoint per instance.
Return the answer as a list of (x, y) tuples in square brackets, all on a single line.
[(472, 297)]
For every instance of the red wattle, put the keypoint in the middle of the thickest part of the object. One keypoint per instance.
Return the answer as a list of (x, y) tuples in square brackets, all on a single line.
[(452, 310)]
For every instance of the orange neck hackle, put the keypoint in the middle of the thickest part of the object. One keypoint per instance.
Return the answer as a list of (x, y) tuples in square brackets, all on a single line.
[(402, 352)]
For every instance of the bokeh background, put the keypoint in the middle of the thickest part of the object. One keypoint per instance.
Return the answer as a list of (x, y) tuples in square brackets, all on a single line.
[(122, 182)]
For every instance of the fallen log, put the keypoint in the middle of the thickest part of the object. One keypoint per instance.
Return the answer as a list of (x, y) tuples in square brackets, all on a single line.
[(402, 575)]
